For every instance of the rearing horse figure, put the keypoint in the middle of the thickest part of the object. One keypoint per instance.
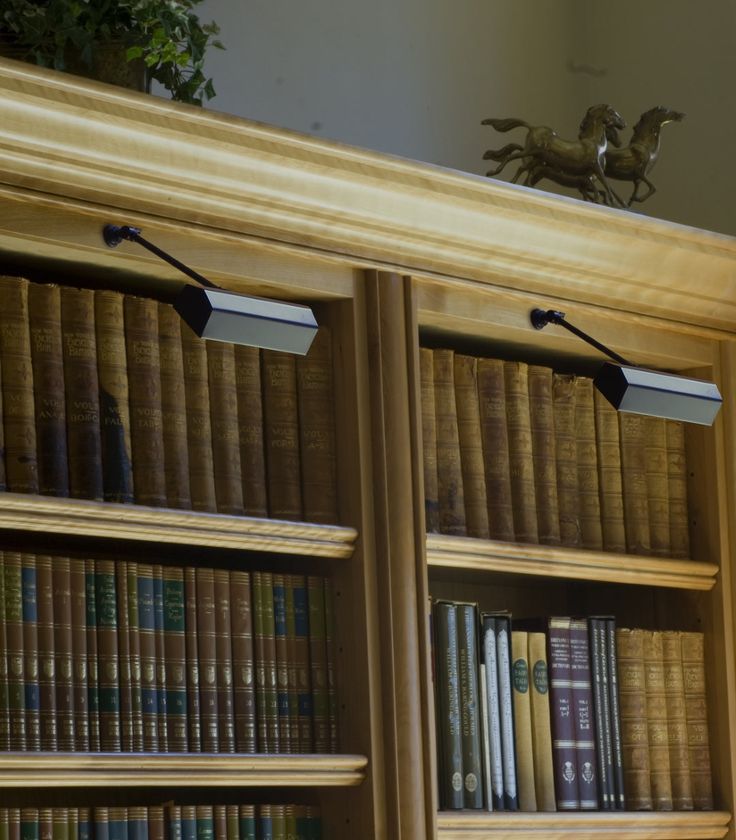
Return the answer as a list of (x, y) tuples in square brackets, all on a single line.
[(582, 158), (634, 162)]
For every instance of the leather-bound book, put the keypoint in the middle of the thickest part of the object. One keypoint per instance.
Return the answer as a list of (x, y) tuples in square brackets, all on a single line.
[(173, 408), (282, 661), (146, 423), (80, 660), (44, 311), (244, 697), (225, 433), (429, 441), (19, 421), (118, 825), (247, 822), (582, 695), (29, 824), (3, 478), (260, 663), (194, 726), (471, 446), (523, 738), (601, 711), (136, 664), (633, 706), (46, 653), (173, 821), (634, 477), (655, 453), (188, 822), (233, 823), (615, 707), (45, 824), (492, 406), (677, 489), (467, 649), (566, 451), (292, 668), (93, 697), (278, 817), (674, 688), (451, 493), (112, 371), (301, 657), (199, 425), (125, 673), (223, 652), (659, 754), (588, 490), (220, 822), (281, 434), (107, 653), (609, 474), (544, 780), (562, 714), (542, 420), (60, 823), (62, 651), (207, 645), (318, 663), (4, 673), (696, 712), (137, 823), (156, 827), (82, 393), (317, 445), (521, 458), (449, 735), (175, 657), (147, 645), (30, 651), (250, 425), (161, 670), (269, 662), (331, 666), (265, 821)]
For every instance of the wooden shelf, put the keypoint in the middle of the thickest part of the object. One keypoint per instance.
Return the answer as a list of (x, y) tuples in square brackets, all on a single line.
[(569, 563), (42, 770), (134, 522), (641, 825)]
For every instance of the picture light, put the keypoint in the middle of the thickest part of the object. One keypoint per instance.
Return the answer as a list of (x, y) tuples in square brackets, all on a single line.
[(219, 315), (637, 390)]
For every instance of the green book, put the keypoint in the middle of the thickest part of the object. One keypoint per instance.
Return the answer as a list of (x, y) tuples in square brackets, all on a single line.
[(30, 652), (205, 823), (247, 825), (29, 824), (175, 647), (108, 683), (134, 650)]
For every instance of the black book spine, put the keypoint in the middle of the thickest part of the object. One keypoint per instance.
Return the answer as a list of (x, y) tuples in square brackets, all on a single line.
[(448, 707), (617, 752)]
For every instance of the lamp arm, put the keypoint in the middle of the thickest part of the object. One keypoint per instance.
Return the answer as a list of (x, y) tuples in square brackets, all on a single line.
[(541, 317)]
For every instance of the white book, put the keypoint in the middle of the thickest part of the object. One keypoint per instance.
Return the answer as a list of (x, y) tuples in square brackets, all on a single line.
[(495, 752), (485, 740), (503, 650)]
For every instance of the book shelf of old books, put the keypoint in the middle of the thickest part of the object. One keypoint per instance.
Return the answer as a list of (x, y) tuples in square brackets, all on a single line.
[(393, 255)]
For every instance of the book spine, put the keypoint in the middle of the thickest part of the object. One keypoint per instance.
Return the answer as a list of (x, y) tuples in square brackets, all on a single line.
[(45, 824), (615, 707), (677, 489), (136, 662), (451, 494), (301, 656), (19, 425), (4, 671), (467, 655), (448, 706), (207, 646), (596, 639), (144, 377), (220, 822), (588, 489), (156, 826), (112, 371), (696, 712), (82, 393), (93, 698), (14, 823), (224, 422), (429, 441), (609, 474), (659, 757), (634, 479), (173, 408), (582, 695), (523, 739), (331, 676), (44, 312), (60, 824), (176, 658), (79, 822), (293, 669), (608, 736), (541, 417), (655, 458), (281, 434), (79, 655), (495, 750), (250, 425), (147, 644), (562, 714), (282, 661), (63, 657), (205, 823), (290, 822), (46, 653), (233, 822), (161, 665), (505, 682), (137, 823), (318, 663), (223, 654), (566, 451), (16, 664), (269, 662), (471, 445), (194, 724), (29, 824), (259, 662), (174, 822), (682, 793), (188, 822), (247, 818), (265, 823), (317, 448), (278, 816), (118, 824), (30, 651), (521, 458), (495, 440), (123, 641), (101, 819), (544, 783), (485, 735)]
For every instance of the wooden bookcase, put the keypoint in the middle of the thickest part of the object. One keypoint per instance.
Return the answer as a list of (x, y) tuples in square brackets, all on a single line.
[(392, 254)]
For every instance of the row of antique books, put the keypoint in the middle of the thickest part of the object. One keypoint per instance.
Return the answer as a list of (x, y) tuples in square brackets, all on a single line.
[(568, 714), (163, 822), (111, 396), (114, 655), (518, 452)]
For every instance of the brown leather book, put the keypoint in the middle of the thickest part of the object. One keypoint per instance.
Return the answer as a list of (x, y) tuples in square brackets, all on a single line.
[(224, 654), (492, 405), (175, 658), (44, 311), (260, 663), (523, 738), (301, 657), (655, 454), (45, 824), (14, 632), (134, 643), (521, 458), (330, 644), (682, 792), (30, 651), (244, 697), (282, 661), (696, 712), (63, 652), (317, 447), (677, 489), (633, 713), (566, 452), (79, 655), (4, 672), (161, 669), (173, 408), (207, 646), (126, 676), (429, 441), (634, 479), (19, 421), (471, 446), (281, 435), (82, 393), (112, 371), (107, 655), (659, 756), (194, 726), (269, 662), (146, 638), (318, 664), (544, 782), (609, 474), (225, 433), (588, 490), (3, 477), (156, 825), (542, 420), (219, 814), (93, 697), (449, 469), (199, 426), (250, 425), (46, 653), (144, 377), (293, 667)]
